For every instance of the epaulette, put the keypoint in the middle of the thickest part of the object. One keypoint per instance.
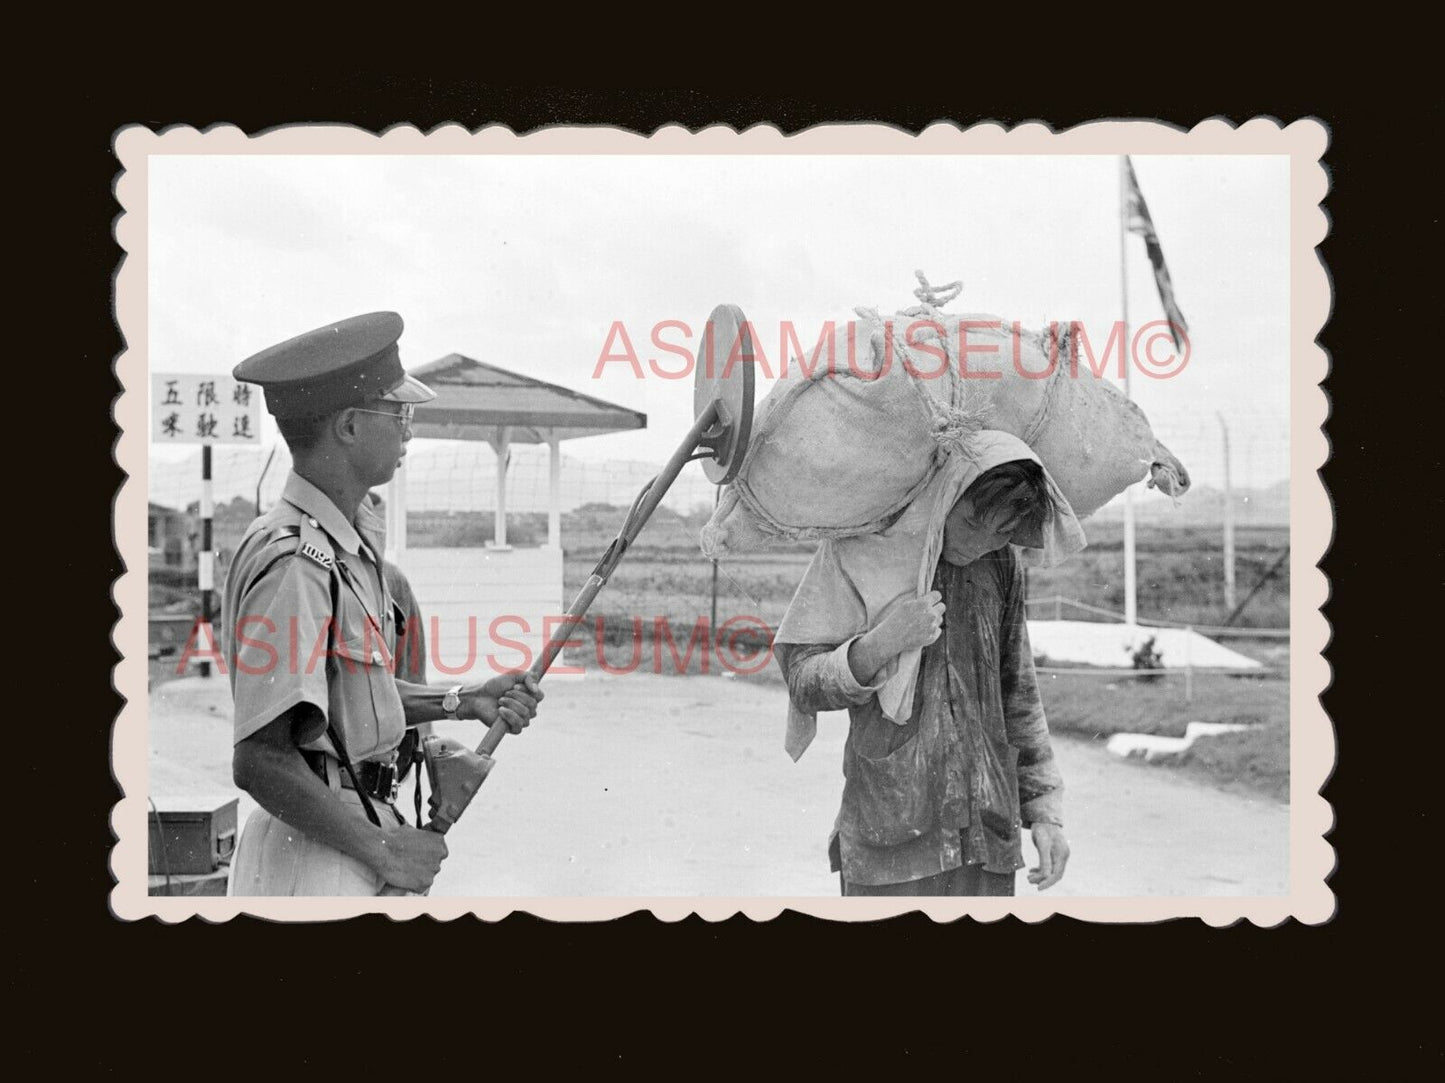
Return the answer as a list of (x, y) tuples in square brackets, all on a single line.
[(265, 544), (272, 542)]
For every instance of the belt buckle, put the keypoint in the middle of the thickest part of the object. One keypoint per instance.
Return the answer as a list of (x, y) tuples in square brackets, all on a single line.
[(386, 782)]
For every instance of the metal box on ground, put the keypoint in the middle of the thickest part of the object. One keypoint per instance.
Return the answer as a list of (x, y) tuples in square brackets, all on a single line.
[(191, 836)]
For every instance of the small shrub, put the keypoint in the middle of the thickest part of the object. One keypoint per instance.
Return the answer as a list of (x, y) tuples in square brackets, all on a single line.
[(1147, 656)]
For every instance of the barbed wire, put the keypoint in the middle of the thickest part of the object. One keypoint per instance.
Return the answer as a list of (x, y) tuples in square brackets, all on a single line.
[(461, 477), (444, 476)]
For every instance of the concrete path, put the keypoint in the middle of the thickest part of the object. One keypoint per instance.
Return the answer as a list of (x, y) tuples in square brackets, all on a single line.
[(654, 785)]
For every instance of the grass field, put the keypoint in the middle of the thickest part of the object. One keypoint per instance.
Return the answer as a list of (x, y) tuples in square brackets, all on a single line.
[(1256, 760), (1180, 576)]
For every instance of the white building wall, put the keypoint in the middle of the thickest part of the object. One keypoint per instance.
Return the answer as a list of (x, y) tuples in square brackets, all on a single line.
[(485, 597)]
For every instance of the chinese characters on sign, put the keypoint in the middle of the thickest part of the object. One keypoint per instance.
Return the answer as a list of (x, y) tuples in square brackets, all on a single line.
[(192, 409)]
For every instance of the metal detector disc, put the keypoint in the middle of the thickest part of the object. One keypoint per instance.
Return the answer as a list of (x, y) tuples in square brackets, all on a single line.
[(724, 375)]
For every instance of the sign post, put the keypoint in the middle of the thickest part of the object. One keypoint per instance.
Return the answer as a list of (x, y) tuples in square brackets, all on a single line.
[(207, 410)]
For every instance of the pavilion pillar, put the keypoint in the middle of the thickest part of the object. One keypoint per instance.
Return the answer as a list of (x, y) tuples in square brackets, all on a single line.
[(502, 445), (554, 489), (396, 511)]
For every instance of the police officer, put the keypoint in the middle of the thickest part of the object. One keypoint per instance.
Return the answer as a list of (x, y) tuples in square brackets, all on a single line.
[(310, 632)]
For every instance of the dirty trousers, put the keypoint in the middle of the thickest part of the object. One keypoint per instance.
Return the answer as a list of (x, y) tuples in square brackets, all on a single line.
[(964, 880)]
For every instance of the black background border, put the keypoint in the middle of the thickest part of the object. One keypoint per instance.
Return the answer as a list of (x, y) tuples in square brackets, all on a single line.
[(913, 982)]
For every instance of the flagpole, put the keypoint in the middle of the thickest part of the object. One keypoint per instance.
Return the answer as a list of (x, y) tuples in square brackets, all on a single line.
[(1228, 520), (1131, 582)]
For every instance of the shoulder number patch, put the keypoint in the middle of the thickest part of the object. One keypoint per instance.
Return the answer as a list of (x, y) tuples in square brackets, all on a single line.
[(321, 557)]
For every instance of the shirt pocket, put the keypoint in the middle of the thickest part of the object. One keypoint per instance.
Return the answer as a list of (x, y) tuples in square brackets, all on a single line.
[(893, 795), (365, 703), (386, 704)]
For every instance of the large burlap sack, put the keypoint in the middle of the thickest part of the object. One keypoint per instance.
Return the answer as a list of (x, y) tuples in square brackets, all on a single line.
[(842, 450)]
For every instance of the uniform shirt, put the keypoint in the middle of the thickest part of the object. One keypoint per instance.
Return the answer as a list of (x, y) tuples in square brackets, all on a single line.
[(410, 632), (954, 784), (411, 642), (277, 626)]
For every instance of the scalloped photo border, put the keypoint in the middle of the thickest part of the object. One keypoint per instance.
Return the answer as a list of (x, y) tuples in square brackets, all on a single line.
[(1312, 740)]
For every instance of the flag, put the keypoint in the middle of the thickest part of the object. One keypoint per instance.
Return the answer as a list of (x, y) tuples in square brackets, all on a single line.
[(1137, 220)]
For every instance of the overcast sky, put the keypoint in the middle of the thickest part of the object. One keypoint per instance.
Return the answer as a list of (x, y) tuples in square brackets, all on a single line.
[(526, 262)]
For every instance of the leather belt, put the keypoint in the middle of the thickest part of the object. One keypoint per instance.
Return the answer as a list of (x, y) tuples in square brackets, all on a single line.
[(378, 778)]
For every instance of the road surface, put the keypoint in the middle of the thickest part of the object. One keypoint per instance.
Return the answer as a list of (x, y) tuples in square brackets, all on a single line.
[(645, 785)]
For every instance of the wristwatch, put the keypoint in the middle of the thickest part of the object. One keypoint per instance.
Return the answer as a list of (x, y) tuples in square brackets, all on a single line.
[(452, 700)]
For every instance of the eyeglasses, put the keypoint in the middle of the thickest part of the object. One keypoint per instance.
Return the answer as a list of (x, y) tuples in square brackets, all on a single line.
[(404, 415)]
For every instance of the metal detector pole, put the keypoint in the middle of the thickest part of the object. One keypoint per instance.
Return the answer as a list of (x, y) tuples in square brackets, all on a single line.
[(646, 504)]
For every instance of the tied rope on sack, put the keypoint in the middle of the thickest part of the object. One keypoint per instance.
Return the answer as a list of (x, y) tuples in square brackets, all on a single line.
[(948, 417), (933, 298), (951, 422), (956, 422), (954, 427)]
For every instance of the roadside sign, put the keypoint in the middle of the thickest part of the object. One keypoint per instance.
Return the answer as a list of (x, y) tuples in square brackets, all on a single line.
[(204, 409)]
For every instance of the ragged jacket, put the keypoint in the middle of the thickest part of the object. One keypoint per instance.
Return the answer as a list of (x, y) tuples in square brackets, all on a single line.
[(973, 763)]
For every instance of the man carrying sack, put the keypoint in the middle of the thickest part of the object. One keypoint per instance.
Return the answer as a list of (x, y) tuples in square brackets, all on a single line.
[(918, 630), (310, 633)]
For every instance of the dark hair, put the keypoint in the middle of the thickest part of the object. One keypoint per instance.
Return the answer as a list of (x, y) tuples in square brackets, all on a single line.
[(303, 433), (1019, 486)]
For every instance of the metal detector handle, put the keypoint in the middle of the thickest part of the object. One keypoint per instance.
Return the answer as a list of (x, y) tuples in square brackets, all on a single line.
[(642, 510), (550, 650)]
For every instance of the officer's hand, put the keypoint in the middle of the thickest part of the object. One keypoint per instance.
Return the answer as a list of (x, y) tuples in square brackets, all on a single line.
[(511, 697), (1053, 855), (911, 625), (411, 858)]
